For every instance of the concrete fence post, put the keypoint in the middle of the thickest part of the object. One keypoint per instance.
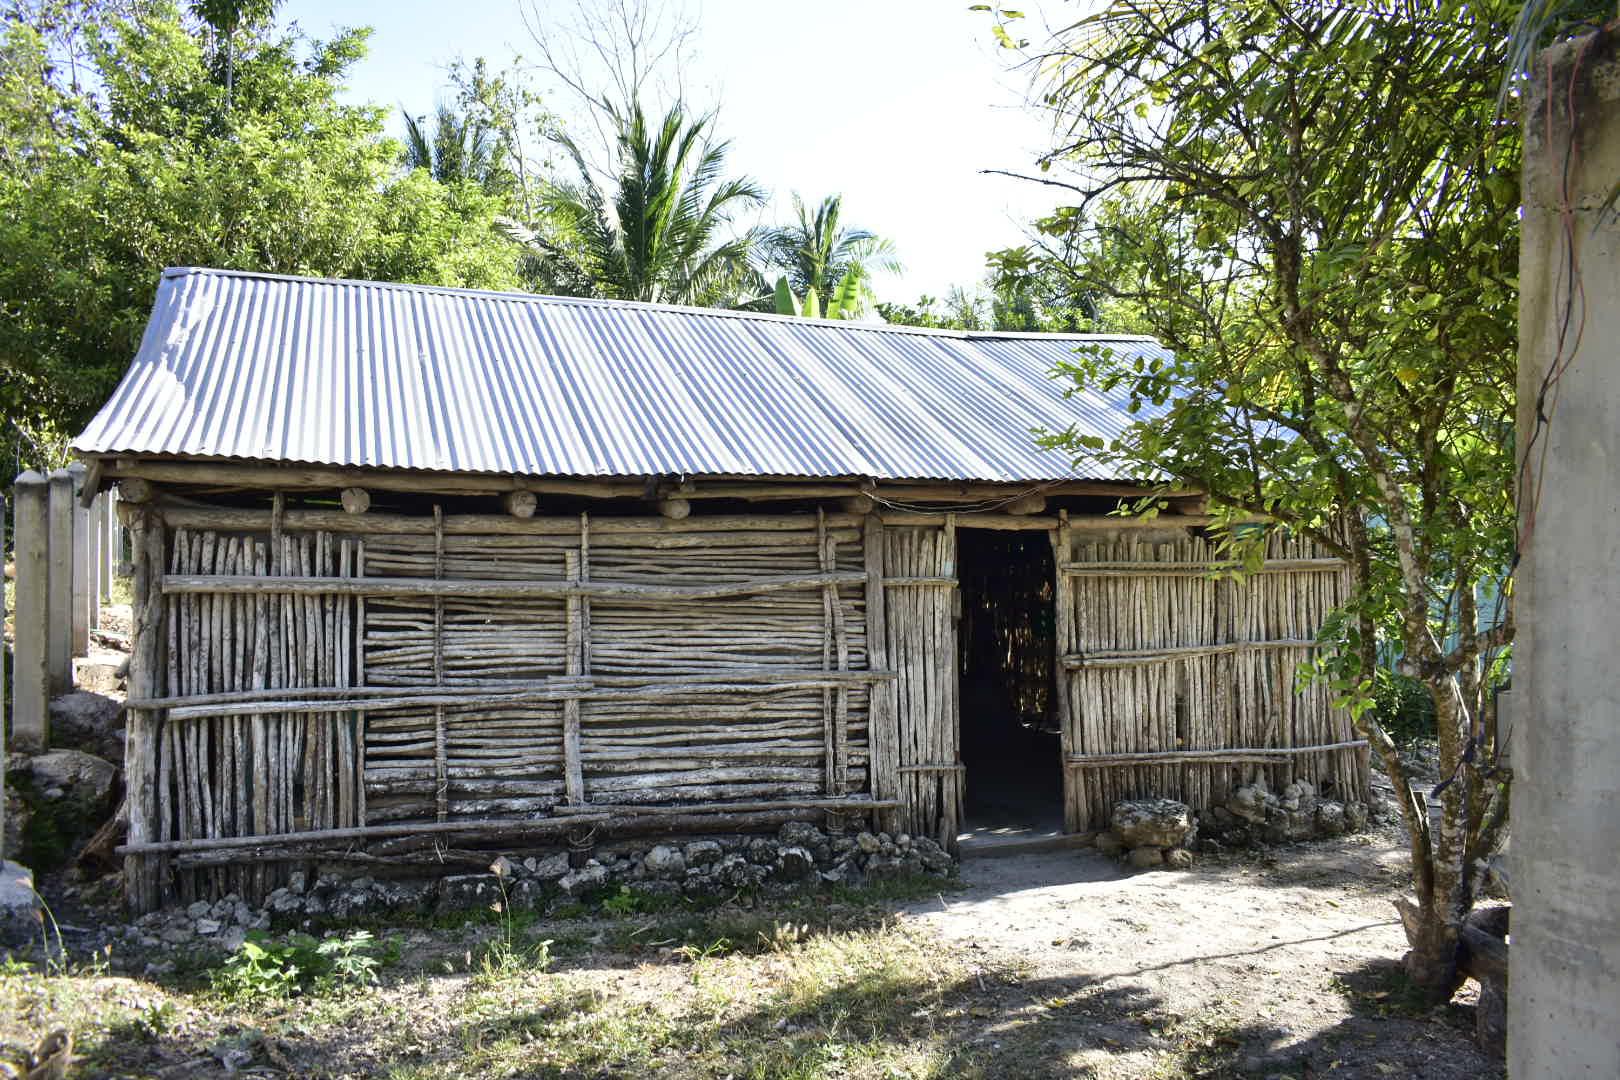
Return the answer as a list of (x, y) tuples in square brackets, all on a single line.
[(2, 677), (84, 590), (1564, 990), (59, 581), (106, 560), (30, 713)]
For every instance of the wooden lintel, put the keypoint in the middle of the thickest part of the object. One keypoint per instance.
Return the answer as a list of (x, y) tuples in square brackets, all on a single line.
[(281, 476)]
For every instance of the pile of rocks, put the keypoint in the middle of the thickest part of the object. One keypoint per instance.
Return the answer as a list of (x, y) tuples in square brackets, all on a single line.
[(1150, 833), (1254, 814), (223, 924), (799, 856)]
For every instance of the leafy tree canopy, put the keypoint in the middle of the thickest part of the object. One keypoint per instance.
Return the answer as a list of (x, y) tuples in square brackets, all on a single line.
[(659, 229), (819, 254), (1315, 207), (119, 155)]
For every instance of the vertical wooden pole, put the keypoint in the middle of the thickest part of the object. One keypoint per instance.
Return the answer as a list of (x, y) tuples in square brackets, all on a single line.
[(142, 873), (574, 658), (953, 784), (441, 770), (83, 585), (1063, 611), (59, 602), (881, 738), (30, 717)]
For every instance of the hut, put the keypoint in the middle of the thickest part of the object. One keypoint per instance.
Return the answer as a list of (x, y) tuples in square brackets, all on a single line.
[(419, 567)]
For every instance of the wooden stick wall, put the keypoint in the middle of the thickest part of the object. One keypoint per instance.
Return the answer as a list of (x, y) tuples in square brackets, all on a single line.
[(515, 676), (1161, 657), (920, 569)]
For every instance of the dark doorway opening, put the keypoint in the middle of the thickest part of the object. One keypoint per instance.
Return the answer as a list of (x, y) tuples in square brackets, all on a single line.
[(1007, 651)]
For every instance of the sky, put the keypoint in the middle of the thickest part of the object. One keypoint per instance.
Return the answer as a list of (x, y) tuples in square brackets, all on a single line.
[(898, 104)]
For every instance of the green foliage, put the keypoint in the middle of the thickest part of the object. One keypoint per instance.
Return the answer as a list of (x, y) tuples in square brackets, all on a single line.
[(624, 902), (660, 231), (822, 255), (262, 969), (459, 147), (1403, 707), (1317, 211), (146, 160)]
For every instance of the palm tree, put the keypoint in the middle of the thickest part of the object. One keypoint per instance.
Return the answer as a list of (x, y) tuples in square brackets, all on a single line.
[(458, 148), (817, 252), (658, 229)]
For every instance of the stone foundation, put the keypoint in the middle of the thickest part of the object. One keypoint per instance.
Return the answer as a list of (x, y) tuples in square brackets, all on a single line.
[(799, 857), (1255, 815)]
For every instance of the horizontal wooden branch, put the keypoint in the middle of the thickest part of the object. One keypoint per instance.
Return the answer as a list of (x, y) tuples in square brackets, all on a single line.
[(931, 768), (452, 588), (843, 805), (900, 582), (212, 517), (582, 815), (1198, 569), (1218, 757), (1132, 657), (369, 699)]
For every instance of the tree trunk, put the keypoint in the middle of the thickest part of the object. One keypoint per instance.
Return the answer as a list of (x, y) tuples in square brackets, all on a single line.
[(1431, 961)]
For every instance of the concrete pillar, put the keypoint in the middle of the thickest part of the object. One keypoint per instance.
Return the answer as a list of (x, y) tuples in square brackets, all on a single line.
[(102, 514), (84, 593), (1564, 991), (59, 594), (30, 677)]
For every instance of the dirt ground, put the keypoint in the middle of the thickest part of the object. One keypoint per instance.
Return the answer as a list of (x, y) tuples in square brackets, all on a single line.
[(1288, 960), (1053, 965)]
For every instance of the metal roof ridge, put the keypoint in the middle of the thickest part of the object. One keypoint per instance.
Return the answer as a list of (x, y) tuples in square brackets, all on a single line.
[(643, 305)]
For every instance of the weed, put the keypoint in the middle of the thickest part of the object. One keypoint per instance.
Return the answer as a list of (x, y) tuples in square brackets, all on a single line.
[(624, 902), (263, 969)]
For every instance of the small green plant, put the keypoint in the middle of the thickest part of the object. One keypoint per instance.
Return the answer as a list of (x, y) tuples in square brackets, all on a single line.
[(259, 969), (263, 969), (624, 902), (506, 955), (348, 960)]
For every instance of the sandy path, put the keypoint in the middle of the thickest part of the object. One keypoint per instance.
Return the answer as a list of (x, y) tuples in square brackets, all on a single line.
[(1287, 961)]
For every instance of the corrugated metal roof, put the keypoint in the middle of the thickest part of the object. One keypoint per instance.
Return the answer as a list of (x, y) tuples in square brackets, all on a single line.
[(360, 373)]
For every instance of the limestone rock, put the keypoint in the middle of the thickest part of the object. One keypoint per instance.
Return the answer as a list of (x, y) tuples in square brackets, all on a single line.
[(1355, 816), (462, 892), (1145, 858), (868, 843), (1178, 859), (1156, 823), (590, 876), (1249, 803), (703, 853), (20, 912), (795, 864), (1108, 844), (89, 722), (55, 802), (1330, 818), (801, 834), (665, 861), (552, 867)]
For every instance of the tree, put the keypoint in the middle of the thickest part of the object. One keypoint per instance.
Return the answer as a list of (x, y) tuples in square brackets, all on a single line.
[(1314, 207), (963, 311), (227, 18), (139, 164), (458, 147), (819, 254), (661, 232)]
